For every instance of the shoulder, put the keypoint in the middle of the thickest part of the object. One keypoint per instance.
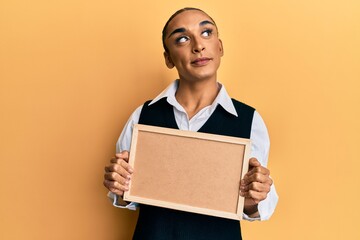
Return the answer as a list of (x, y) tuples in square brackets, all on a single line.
[(241, 105), (134, 117)]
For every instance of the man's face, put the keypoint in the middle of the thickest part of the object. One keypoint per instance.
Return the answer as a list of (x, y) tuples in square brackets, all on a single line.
[(193, 46)]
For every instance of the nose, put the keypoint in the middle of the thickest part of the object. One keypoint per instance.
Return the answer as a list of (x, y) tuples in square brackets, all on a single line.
[(198, 45)]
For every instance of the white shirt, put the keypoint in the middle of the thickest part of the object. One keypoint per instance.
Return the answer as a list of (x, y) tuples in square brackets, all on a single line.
[(259, 137)]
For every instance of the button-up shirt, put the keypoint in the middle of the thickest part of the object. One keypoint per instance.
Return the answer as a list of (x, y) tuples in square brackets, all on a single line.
[(259, 137)]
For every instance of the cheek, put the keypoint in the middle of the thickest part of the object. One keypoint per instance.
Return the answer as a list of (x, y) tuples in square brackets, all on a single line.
[(215, 46), (219, 49), (179, 57)]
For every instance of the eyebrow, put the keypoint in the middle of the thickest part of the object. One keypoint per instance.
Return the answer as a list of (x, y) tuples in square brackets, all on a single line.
[(181, 30)]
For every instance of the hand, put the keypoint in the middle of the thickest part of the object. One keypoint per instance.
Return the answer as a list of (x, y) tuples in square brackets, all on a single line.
[(118, 173), (255, 186)]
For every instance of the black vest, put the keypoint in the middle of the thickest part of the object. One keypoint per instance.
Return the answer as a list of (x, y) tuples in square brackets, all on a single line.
[(157, 223)]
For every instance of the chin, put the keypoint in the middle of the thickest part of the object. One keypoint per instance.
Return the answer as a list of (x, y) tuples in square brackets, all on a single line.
[(205, 75), (199, 74)]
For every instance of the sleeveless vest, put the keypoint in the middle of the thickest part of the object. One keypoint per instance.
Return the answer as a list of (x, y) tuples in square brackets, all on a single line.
[(156, 223)]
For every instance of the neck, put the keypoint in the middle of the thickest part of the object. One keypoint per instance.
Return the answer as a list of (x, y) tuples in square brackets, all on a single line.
[(194, 96)]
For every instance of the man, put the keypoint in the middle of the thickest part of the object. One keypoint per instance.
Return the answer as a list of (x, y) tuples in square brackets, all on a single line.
[(196, 102)]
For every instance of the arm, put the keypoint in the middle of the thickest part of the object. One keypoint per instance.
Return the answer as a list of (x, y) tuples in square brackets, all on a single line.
[(116, 173), (254, 187), (257, 186)]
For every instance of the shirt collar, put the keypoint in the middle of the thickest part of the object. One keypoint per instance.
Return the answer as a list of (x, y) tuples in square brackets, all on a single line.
[(222, 98)]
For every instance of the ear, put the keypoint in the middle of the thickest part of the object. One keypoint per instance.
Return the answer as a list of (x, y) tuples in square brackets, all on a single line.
[(168, 61), (221, 47)]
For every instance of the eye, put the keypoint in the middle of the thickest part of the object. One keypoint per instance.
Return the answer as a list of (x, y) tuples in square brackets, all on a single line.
[(207, 33), (182, 39)]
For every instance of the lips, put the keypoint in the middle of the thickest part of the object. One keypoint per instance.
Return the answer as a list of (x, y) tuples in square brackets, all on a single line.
[(201, 61)]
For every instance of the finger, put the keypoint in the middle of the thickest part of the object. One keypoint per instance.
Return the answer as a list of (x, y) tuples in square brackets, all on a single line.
[(256, 177), (118, 168), (259, 169), (113, 186), (113, 176), (127, 166), (113, 160), (118, 192), (123, 155), (107, 184), (255, 186), (121, 163), (114, 190), (253, 162), (254, 195)]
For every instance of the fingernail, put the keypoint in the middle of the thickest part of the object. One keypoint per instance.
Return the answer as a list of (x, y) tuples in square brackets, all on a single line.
[(130, 170)]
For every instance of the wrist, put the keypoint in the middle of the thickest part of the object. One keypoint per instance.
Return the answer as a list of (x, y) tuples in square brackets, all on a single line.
[(120, 201), (252, 211)]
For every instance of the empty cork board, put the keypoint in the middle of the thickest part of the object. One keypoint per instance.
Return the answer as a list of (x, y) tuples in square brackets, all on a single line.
[(188, 171)]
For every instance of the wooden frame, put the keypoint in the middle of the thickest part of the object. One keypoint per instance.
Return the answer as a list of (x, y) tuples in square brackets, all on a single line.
[(188, 171)]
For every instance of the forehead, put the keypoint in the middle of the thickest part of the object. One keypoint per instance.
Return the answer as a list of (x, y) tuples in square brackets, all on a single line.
[(187, 19)]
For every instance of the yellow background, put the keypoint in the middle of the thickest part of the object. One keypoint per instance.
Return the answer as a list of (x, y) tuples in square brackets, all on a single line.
[(71, 72)]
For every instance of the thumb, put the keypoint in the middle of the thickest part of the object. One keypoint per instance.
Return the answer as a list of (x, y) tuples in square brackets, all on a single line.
[(253, 162), (123, 155)]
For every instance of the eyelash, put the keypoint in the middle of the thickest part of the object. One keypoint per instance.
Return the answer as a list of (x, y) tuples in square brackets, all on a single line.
[(177, 40), (208, 31)]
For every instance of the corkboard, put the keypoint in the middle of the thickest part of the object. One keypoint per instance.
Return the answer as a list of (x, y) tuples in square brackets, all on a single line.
[(188, 171)]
